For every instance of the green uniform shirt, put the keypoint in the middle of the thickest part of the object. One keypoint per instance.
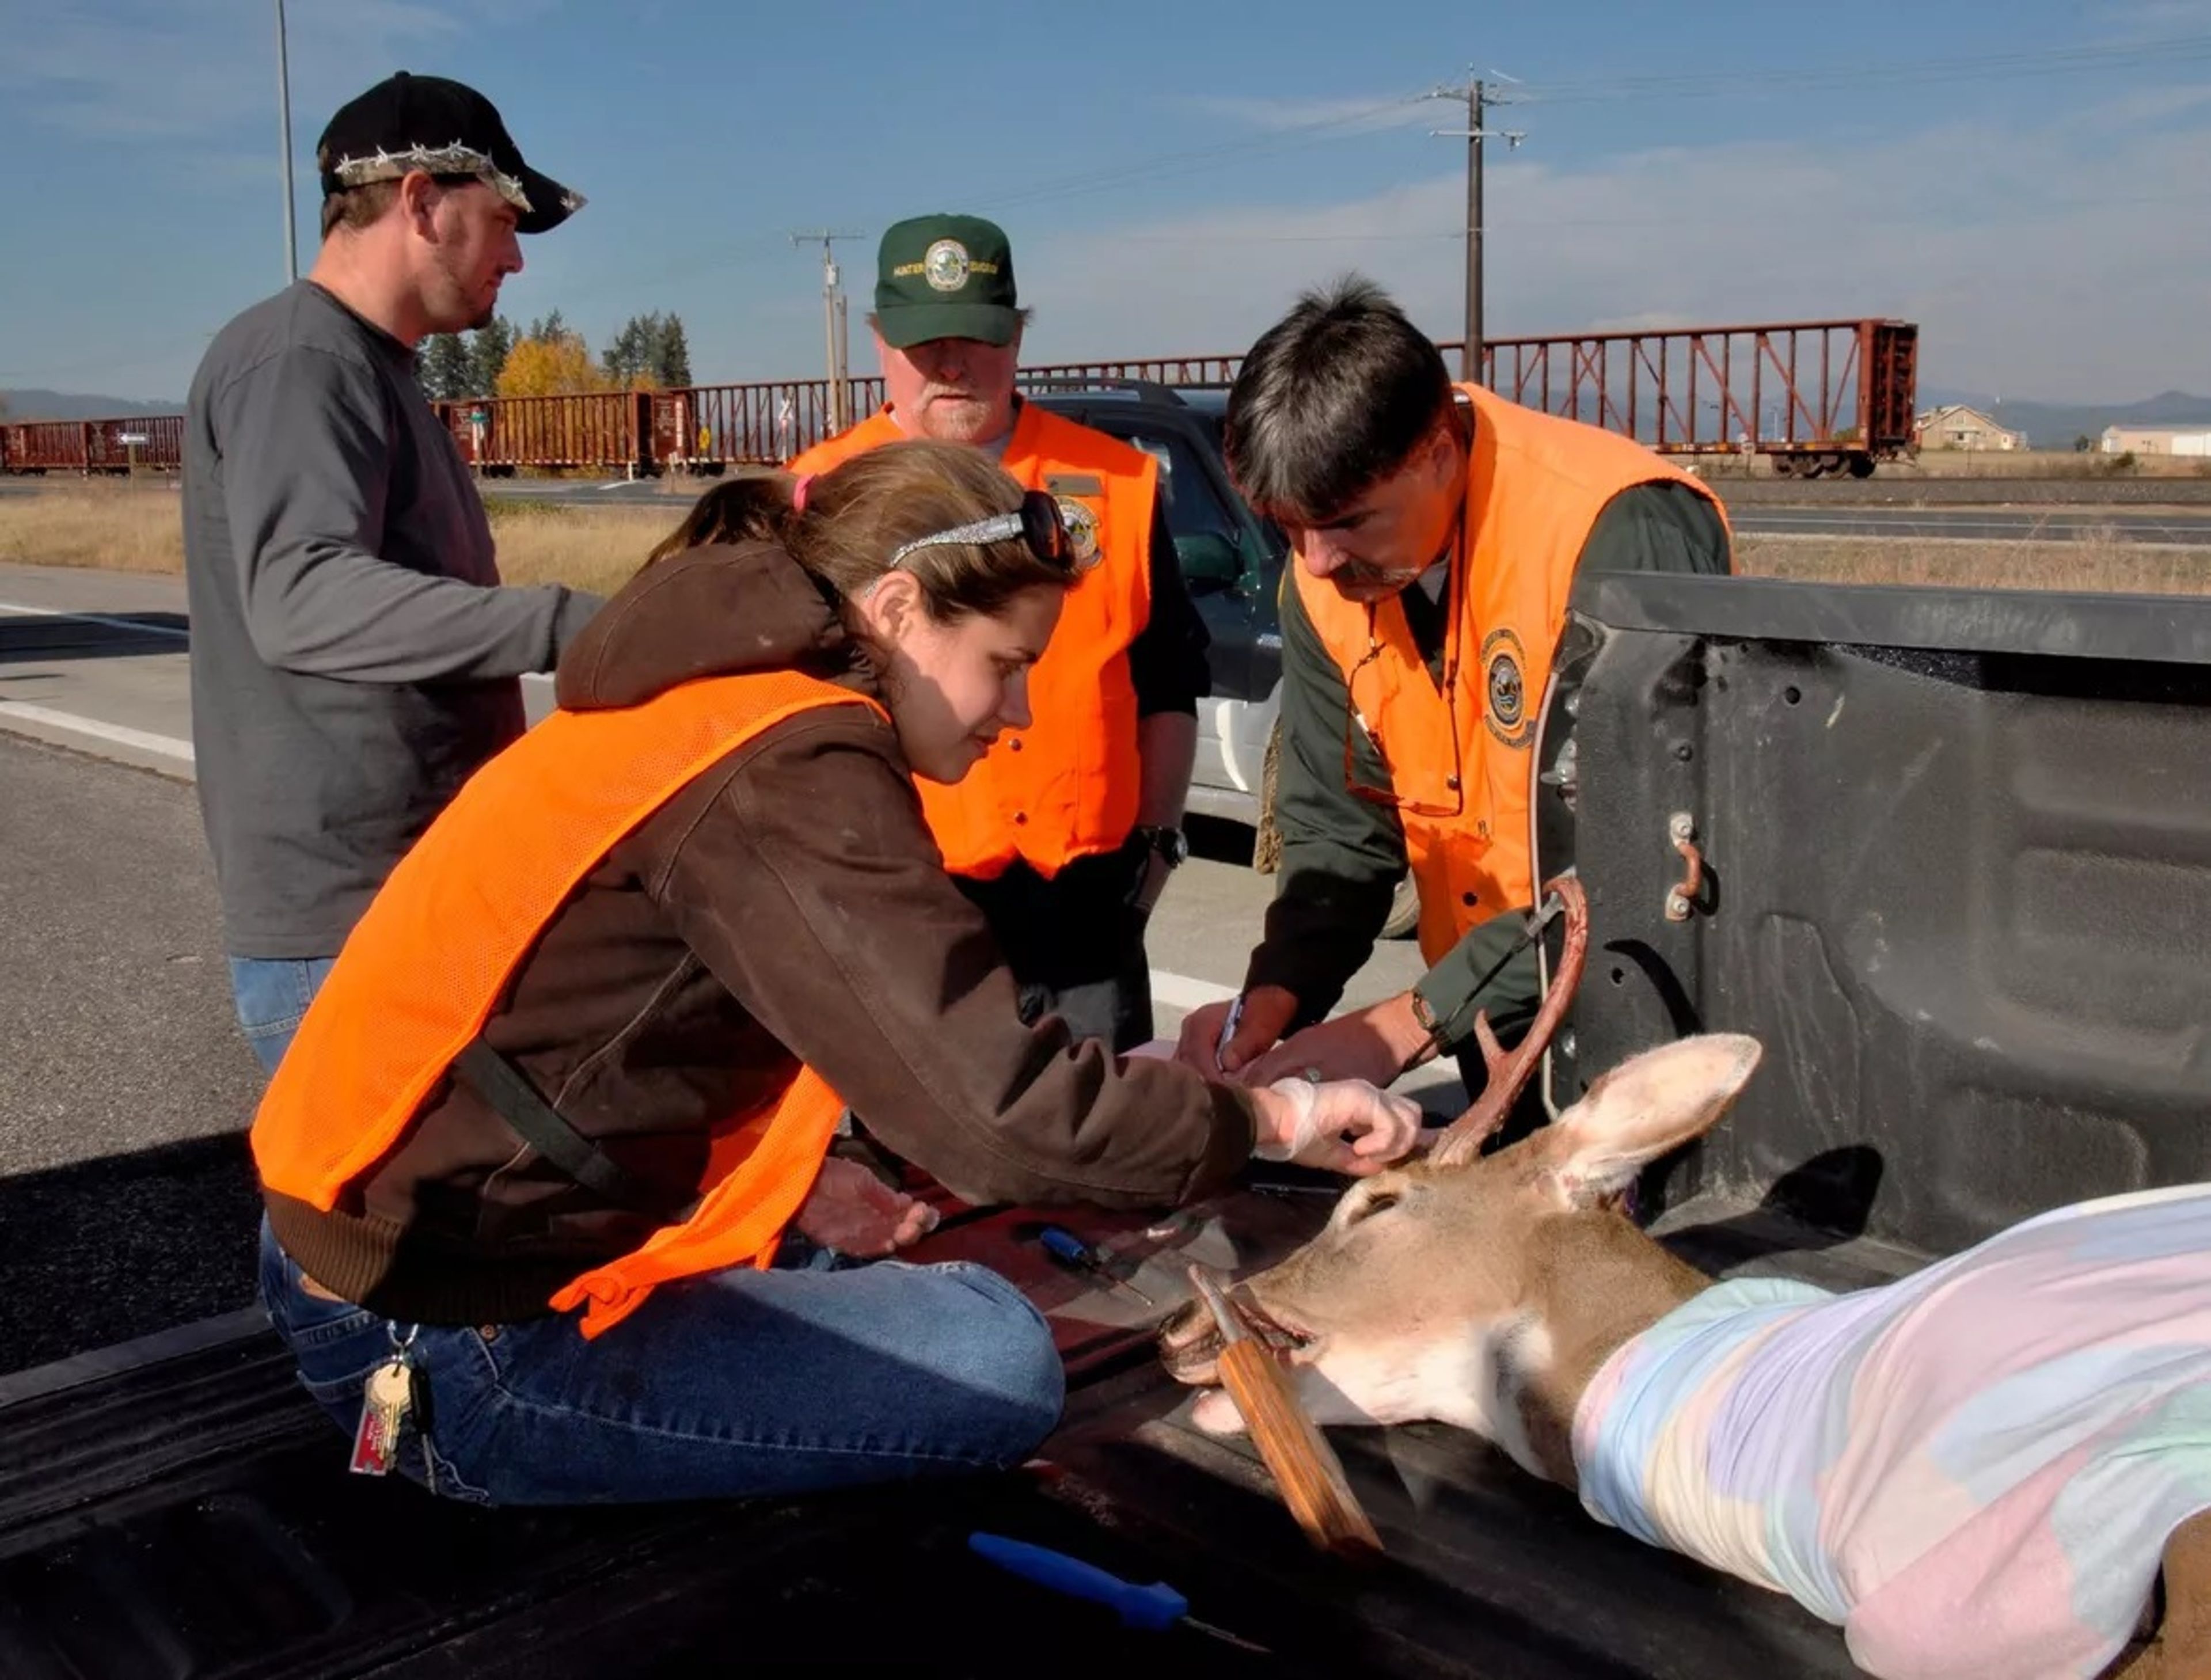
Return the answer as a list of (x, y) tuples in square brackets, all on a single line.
[(1343, 857)]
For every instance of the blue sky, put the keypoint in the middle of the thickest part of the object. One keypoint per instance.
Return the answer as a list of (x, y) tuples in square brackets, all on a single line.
[(2029, 179)]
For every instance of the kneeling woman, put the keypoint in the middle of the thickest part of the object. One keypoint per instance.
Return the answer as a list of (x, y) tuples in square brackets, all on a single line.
[(544, 1135)]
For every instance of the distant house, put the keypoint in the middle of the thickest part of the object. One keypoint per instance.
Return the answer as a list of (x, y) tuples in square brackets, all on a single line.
[(2157, 440), (1954, 426)]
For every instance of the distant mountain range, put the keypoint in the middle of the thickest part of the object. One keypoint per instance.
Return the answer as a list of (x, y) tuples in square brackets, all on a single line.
[(2055, 425), (65, 405)]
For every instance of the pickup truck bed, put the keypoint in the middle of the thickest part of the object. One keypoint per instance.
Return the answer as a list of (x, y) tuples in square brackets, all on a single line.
[(178, 1508), (1957, 853)]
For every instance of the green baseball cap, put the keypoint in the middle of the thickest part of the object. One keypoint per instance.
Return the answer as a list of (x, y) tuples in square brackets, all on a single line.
[(945, 276)]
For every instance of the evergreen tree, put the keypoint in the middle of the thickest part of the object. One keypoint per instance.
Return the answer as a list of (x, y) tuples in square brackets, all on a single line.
[(489, 346), (628, 358), (442, 365), (671, 352)]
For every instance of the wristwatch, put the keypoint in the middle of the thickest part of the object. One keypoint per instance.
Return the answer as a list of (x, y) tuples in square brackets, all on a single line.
[(1171, 844)]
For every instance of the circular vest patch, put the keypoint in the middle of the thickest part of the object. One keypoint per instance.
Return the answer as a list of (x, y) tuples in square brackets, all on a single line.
[(1082, 524), (945, 265), (1505, 688)]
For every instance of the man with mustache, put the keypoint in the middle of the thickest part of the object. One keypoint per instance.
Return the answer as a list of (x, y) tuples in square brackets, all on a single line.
[(353, 655), (1438, 533), (1065, 834)]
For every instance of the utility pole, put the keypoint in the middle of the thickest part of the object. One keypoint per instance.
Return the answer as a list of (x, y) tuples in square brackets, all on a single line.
[(1478, 98), (833, 324), (284, 122)]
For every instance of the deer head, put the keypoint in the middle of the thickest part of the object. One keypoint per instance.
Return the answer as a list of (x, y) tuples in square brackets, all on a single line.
[(1484, 1291)]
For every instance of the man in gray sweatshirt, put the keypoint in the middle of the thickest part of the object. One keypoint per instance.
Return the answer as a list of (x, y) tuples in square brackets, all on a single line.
[(354, 657)]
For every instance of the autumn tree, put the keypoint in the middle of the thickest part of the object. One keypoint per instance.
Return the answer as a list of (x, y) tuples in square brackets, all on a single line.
[(549, 367), (550, 360)]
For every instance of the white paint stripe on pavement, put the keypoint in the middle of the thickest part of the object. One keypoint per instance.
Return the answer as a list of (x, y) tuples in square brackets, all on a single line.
[(97, 618), (168, 746), (1180, 992)]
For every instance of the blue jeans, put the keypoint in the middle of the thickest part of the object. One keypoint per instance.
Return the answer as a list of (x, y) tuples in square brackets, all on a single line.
[(273, 994), (737, 1383)]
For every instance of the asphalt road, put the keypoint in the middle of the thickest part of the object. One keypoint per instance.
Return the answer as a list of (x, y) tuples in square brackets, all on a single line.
[(126, 1201)]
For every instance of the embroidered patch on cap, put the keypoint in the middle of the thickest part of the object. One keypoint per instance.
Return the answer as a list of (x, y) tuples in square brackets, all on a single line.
[(945, 265)]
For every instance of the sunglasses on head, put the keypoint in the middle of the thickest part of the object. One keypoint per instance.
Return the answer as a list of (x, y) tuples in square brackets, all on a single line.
[(1036, 522)]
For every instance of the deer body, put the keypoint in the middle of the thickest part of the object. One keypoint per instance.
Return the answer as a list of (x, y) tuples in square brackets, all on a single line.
[(1976, 1469)]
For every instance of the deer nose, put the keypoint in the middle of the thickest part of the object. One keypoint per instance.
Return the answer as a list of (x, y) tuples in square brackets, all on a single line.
[(1190, 1344)]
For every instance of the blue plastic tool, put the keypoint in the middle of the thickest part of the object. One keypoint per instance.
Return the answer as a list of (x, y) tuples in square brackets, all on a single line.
[(1153, 1608), (1064, 1245)]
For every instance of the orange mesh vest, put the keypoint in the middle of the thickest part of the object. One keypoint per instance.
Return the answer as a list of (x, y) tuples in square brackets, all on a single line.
[(425, 965), (1066, 786), (1459, 756)]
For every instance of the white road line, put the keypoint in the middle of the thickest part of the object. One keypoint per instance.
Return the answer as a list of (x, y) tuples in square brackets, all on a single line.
[(97, 618), (168, 746), (1180, 992)]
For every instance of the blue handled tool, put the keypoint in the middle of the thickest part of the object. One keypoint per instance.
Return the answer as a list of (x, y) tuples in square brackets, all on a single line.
[(1152, 1608), (1064, 1245)]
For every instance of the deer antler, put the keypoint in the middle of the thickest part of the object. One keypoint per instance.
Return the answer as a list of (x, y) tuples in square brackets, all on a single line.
[(1509, 1074)]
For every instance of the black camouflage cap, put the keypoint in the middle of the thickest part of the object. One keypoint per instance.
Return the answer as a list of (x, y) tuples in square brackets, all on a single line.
[(407, 122)]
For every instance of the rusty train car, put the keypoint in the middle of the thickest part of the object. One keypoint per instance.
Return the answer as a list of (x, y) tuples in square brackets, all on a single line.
[(92, 448), (1813, 397)]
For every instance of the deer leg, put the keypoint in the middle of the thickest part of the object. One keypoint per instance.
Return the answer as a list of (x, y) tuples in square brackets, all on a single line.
[(2180, 1649)]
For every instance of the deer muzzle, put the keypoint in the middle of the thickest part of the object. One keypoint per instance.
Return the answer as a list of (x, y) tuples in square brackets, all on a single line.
[(1190, 1342)]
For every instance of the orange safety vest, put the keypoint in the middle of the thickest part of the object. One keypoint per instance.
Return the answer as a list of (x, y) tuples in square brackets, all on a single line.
[(1458, 755), (425, 965), (1068, 785)]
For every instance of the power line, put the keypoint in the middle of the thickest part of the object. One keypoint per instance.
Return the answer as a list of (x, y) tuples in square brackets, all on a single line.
[(1979, 67), (1185, 158)]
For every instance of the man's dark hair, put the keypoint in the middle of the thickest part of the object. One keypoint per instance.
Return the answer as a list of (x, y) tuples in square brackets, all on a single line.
[(1334, 397)]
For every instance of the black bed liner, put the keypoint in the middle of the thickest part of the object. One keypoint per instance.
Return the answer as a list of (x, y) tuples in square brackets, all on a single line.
[(180, 1508)]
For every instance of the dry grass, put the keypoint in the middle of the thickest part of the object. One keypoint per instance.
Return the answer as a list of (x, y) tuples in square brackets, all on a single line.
[(595, 548), (2050, 464), (116, 527), (2095, 564), (2030, 464), (139, 528), (136, 528)]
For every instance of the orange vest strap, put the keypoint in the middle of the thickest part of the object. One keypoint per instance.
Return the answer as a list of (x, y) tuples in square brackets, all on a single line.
[(429, 960), (740, 1222)]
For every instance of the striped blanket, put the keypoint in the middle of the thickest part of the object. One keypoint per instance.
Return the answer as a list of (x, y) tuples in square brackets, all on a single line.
[(1973, 1471)]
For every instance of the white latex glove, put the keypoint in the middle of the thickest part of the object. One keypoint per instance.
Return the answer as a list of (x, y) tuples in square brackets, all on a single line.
[(1308, 1123)]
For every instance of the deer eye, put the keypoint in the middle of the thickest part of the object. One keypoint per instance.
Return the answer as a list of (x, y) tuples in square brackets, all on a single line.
[(1377, 1203)]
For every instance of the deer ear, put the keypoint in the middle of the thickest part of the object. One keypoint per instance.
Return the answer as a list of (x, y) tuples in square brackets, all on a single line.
[(1648, 1105)]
